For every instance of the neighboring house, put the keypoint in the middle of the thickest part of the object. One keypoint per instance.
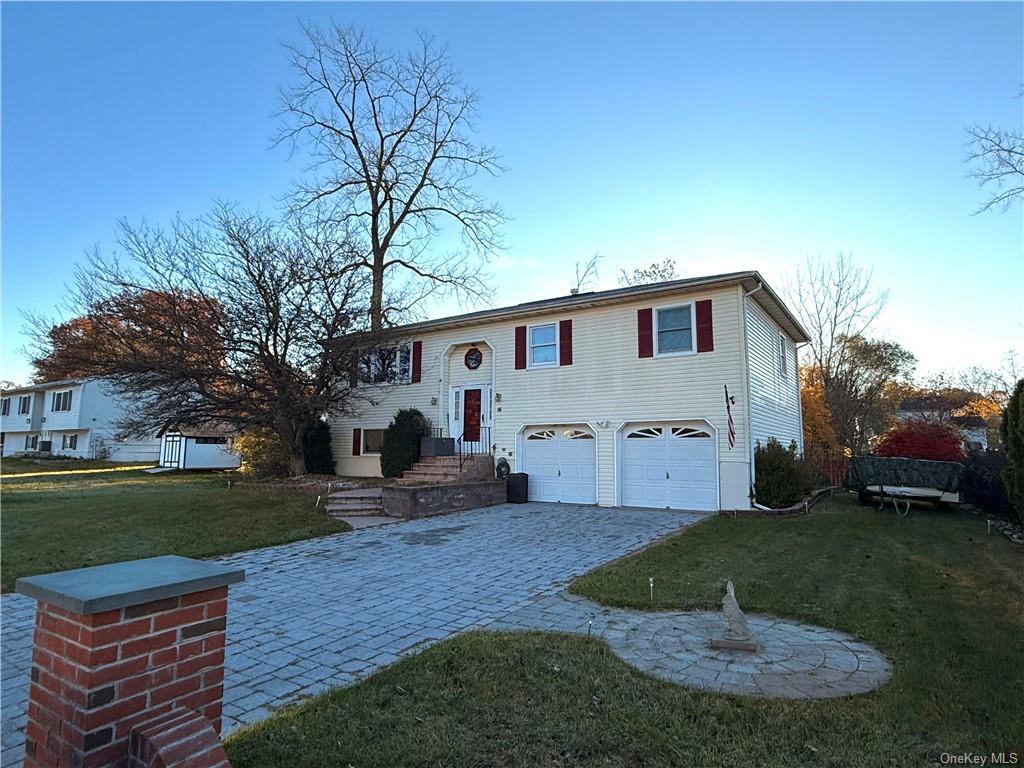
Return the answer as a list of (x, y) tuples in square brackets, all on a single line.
[(614, 397), (198, 449), (75, 417), (973, 429)]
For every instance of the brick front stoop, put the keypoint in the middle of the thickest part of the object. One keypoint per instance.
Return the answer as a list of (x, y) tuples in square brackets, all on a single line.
[(126, 645)]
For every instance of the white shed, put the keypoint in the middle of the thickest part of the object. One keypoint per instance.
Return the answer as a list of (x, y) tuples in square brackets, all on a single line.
[(179, 450)]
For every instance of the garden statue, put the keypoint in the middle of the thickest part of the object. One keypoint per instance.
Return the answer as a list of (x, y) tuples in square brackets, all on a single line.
[(737, 634)]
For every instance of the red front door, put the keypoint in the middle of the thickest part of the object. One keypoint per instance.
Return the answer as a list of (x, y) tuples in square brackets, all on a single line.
[(471, 416)]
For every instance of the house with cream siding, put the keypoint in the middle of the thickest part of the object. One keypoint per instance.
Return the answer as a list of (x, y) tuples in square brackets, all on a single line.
[(647, 396), (74, 417)]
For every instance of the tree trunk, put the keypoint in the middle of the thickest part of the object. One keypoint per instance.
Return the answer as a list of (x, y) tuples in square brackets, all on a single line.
[(377, 291), (297, 462)]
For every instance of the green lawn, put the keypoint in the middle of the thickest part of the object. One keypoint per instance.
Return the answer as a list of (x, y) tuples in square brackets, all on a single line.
[(944, 600), (59, 521)]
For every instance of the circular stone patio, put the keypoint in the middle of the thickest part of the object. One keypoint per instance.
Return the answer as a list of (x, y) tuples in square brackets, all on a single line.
[(793, 660)]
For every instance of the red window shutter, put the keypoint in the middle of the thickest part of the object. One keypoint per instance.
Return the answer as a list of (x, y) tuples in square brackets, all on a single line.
[(565, 342), (357, 441), (520, 347), (645, 332), (417, 361), (705, 329)]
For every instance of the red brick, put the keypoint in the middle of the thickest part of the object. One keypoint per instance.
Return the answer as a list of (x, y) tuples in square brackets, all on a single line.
[(175, 690), (200, 699), (113, 713), (145, 682), (90, 657), (59, 625), (164, 657), (206, 596), (213, 676), (112, 673), (125, 725), (117, 633), (197, 663), (213, 642), (156, 606), (216, 609), (148, 644), (178, 617), (101, 619), (114, 755), (191, 648)]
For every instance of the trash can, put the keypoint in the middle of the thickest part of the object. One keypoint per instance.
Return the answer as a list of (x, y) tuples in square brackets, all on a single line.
[(518, 488)]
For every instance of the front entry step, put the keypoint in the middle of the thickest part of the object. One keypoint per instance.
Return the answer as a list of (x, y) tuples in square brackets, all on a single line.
[(442, 470), (358, 502)]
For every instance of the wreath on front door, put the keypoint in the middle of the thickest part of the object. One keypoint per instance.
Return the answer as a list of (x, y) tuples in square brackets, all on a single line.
[(473, 358)]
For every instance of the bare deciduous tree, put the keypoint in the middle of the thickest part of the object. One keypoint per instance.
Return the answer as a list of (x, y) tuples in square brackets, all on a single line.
[(222, 321), (998, 164), (586, 276), (835, 302), (656, 273), (390, 137)]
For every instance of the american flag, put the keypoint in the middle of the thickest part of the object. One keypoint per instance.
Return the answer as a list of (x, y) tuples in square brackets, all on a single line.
[(732, 424)]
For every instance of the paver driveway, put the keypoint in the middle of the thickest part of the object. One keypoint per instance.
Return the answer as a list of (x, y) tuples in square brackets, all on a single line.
[(320, 613)]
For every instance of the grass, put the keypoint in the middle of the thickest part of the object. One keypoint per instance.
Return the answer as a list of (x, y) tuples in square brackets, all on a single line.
[(941, 598), (15, 467), (57, 521)]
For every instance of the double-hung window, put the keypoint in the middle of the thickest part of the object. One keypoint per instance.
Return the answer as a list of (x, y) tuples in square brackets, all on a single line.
[(675, 330), (388, 365), (70, 442), (543, 345), (372, 438), (24, 404), (5, 406), (61, 401)]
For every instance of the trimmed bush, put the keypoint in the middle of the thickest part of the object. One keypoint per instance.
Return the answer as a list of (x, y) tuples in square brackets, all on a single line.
[(781, 477), (983, 482), (400, 448), (922, 440), (263, 454), (316, 448)]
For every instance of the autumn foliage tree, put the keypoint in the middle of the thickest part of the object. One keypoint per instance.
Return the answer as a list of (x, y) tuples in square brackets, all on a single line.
[(921, 440), (220, 321)]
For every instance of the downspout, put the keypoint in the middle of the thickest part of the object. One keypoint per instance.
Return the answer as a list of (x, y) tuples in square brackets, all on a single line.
[(746, 390)]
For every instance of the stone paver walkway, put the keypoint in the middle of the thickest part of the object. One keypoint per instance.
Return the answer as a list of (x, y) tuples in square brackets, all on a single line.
[(794, 661), (325, 612)]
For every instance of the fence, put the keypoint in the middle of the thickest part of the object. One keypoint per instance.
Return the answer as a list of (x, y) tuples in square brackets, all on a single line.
[(828, 461)]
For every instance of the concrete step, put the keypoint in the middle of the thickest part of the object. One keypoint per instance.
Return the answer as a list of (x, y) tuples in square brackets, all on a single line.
[(355, 506), (354, 511), (356, 494)]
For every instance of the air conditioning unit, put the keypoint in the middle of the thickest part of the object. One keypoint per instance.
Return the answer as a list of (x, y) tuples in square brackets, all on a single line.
[(45, 446)]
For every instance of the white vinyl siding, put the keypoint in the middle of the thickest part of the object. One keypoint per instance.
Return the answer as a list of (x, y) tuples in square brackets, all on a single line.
[(774, 383), (606, 385)]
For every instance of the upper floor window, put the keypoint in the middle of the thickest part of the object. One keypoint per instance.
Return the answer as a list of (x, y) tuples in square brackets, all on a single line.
[(61, 401), (5, 407), (24, 404), (783, 357), (675, 329), (543, 345), (387, 365)]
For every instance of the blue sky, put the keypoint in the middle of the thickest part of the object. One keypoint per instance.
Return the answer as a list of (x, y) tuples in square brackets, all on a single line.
[(726, 136)]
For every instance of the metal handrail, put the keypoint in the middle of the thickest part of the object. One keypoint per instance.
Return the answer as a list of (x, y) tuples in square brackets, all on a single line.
[(479, 447)]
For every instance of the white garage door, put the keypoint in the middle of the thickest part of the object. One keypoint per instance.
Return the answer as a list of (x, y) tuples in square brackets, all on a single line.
[(669, 465), (561, 462)]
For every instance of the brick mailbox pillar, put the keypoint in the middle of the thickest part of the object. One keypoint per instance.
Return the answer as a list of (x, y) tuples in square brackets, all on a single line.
[(118, 645)]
